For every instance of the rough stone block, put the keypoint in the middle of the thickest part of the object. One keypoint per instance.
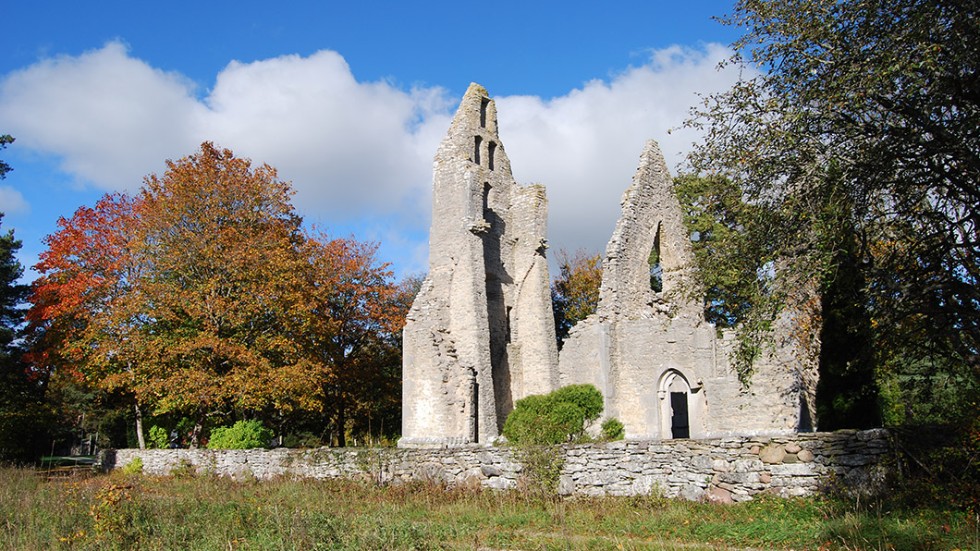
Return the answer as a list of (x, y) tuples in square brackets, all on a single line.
[(771, 454)]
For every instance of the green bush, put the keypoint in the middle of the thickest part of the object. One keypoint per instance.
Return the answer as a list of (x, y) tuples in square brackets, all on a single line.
[(134, 467), (586, 397), (240, 436), (613, 429), (553, 418), (157, 437)]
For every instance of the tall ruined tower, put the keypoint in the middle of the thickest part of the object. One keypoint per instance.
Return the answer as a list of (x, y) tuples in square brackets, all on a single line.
[(480, 334)]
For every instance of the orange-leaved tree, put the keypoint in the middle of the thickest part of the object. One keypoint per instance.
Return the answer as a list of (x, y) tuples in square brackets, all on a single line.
[(75, 322), (352, 333), (180, 296), (575, 292), (202, 297), (220, 243)]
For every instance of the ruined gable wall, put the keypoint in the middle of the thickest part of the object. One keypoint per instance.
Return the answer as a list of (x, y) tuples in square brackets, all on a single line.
[(642, 346), (479, 313)]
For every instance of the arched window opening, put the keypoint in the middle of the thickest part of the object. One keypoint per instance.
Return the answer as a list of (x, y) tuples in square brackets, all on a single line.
[(477, 142), (656, 270)]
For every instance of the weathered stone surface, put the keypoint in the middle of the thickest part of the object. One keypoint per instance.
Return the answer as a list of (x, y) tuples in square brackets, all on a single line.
[(773, 453), (480, 334), (805, 456), (719, 495), (669, 468), (653, 355)]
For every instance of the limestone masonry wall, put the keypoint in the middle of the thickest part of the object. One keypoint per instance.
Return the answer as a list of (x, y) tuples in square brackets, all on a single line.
[(724, 469)]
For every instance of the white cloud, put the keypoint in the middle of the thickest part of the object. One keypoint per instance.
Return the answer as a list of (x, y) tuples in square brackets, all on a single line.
[(111, 119), (585, 146), (12, 202), (355, 150)]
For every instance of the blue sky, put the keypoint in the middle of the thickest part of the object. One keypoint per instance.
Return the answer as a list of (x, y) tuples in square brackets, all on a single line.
[(348, 101)]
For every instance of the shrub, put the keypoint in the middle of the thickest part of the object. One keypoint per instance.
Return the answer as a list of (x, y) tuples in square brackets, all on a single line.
[(157, 437), (613, 429), (240, 436), (586, 397), (134, 467), (553, 418)]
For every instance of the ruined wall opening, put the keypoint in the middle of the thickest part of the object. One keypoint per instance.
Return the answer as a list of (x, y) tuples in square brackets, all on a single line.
[(675, 405), (656, 269), (477, 143), (491, 149), (484, 103), (486, 199), (680, 426)]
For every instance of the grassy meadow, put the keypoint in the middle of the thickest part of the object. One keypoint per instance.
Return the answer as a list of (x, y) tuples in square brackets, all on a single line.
[(119, 511)]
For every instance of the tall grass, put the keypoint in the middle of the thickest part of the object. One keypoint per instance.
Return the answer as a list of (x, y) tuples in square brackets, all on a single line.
[(139, 512)]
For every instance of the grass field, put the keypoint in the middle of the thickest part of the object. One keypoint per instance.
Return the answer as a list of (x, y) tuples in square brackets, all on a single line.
[(198, 512)]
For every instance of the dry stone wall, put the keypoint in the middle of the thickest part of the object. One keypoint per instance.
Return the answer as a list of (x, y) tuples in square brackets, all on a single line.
[(725, 469)]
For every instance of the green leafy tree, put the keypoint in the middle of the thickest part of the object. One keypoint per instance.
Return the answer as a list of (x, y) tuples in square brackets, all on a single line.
[(862, 114), (23, 417)]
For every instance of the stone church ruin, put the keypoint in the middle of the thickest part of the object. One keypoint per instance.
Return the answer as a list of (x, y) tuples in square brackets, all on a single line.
[(480, 334)]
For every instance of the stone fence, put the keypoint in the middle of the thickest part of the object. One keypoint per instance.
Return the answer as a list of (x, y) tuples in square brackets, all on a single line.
[(723, 469)]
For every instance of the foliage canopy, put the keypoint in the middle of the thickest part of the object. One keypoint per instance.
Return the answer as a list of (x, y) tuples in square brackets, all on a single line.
[(203, 297), (854, 152)]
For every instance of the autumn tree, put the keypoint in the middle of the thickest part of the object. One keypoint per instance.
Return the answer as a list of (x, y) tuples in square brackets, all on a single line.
[(575, 292), (218, 242), (203, 298), (351, 332), (177, 296), (857, 136)]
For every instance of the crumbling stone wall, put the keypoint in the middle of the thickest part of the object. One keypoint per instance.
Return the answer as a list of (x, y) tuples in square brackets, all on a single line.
[(663, 369), (726, 469), (480, 334)]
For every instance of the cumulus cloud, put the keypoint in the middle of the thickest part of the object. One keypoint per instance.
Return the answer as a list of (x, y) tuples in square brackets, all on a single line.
[(12, 202), (585, 146), (355, 150), (110, 118)]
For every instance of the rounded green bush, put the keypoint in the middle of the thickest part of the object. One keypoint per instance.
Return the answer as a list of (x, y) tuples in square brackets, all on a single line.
[(157, 437), (586, 397), (240, 436), (553, 418)]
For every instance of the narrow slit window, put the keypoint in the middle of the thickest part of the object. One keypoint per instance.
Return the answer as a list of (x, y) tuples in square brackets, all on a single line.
[(656, 270), (484, 103), (477, 142), (491, 149)]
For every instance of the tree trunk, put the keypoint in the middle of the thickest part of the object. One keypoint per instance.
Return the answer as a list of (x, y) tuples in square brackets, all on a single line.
[(139, 426), (341, 425)]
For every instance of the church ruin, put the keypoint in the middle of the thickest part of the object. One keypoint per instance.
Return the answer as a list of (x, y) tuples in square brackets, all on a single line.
[(480, 334)]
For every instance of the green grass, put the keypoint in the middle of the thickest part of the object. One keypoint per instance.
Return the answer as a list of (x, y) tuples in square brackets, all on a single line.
[(142, 512)]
